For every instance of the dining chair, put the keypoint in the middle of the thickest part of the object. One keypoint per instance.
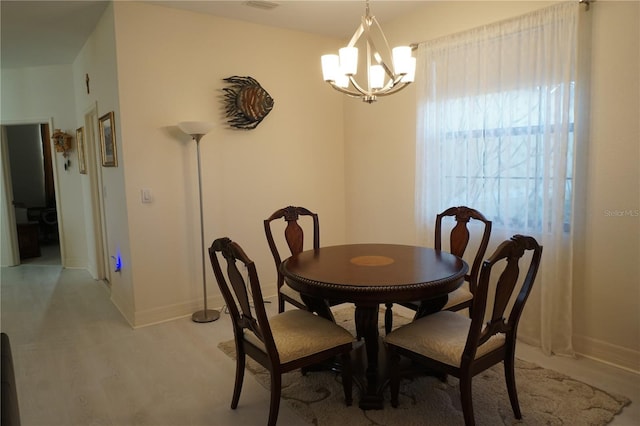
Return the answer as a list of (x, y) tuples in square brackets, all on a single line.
[(459, 238), (463, 347), (294, 237), (287, 341)]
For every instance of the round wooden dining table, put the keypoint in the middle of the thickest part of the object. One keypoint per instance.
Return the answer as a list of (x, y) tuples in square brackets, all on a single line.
[(369, 275)]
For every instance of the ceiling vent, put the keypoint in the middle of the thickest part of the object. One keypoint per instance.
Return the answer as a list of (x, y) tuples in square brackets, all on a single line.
[(261, 4)]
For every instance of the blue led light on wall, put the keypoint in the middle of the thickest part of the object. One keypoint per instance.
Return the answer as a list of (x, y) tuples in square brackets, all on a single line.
[(118, 262)]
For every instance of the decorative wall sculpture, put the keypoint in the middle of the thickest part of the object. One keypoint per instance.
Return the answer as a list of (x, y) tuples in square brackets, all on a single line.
[(62, 143), (246, 102)]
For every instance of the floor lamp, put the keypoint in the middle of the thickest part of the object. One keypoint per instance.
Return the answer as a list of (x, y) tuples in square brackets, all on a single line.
[(197, 129)]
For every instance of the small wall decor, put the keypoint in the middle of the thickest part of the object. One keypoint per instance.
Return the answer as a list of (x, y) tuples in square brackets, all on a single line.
[(82, 162), (246, 102), (62, 143), (108, 140)]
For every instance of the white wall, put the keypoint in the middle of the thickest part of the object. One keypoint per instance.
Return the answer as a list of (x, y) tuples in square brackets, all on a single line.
[(98, 59), (607, 293), (40, 94), (380, 158), (170, 68)]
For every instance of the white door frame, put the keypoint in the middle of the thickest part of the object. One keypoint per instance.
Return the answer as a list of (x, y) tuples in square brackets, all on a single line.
[(8, 213), (94, 171)]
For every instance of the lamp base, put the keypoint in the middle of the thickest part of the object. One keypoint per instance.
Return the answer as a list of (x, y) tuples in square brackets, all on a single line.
[(207, 315)]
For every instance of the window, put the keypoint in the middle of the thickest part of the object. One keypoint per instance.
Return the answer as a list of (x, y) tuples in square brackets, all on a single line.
[(502, 146), (495, 132)]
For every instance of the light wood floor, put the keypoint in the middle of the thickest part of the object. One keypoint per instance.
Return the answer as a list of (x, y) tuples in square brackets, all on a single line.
[(79, 363)]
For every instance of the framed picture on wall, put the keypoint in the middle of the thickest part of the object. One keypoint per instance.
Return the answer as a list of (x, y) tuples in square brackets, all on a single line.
[(106, 126), (82, 162)]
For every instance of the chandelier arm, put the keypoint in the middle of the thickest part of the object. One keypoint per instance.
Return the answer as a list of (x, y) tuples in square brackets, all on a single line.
[(366, 25), (386, 45), (387, 70), (358, 87), (397, 79), (371, 45), (345, 91), (394, 89), (369, 89), (390, 85), (356, 36)]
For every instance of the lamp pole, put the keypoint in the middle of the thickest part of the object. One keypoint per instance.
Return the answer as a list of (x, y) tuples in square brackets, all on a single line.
[(205, 315), (197, 130)]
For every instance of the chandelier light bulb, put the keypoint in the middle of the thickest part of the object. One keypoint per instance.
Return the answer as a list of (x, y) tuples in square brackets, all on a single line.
[(330, 67), (376, 76), (349, 60), (410, 76), (342, 80), (401, 63)]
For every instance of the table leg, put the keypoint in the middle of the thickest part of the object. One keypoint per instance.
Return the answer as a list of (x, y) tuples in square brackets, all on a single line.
[(319, 306), (371, 377), (366, 319), (430, 306)]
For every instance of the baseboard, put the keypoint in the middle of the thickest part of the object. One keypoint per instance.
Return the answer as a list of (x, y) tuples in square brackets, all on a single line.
[(74, 263), (618, 356), (181, 310), (171, 312)]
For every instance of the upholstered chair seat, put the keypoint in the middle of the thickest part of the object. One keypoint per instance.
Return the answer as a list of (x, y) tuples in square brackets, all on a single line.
[(461, 296), (299, 334), (441, 336), (289, 294)]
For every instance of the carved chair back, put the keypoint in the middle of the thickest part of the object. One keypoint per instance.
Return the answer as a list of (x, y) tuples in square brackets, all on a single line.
[(243, 299), (508, 255), (460, 236), (294, 237)]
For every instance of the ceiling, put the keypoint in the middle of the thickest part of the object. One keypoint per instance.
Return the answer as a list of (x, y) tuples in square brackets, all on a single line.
[(38, 33)]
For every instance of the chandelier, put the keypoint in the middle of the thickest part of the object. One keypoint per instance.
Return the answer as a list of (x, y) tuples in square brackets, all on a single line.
[(340, 70)]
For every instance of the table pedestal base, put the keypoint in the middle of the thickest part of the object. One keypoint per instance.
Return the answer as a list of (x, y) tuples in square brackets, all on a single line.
[(369, 359), (372, 383)]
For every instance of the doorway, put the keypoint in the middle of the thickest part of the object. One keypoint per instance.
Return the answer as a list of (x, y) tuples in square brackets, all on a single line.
[(33, 196), (92, 199)]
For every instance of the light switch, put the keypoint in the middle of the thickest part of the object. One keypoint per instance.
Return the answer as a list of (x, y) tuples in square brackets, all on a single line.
[(147, 197)]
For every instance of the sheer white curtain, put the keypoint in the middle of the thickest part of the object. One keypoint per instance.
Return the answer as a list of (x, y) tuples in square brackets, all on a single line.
[(496, 133)]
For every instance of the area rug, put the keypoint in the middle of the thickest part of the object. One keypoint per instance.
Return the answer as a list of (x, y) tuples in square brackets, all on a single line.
[(546, 397)]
